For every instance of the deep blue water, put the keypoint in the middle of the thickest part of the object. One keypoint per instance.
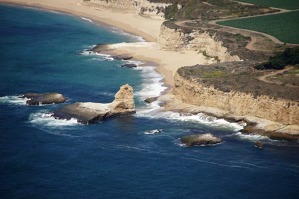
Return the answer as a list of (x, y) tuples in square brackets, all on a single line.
[(41, 157)]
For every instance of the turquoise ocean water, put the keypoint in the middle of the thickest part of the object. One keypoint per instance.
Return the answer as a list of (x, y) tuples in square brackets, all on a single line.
[(40, 157)]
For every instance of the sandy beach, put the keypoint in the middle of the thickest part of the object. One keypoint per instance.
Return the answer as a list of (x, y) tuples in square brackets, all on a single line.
[(149, 51), (167, 61)]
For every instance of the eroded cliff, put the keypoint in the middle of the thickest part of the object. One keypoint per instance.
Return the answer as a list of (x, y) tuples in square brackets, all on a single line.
[(178, 38), (234, 91), (141, 7)]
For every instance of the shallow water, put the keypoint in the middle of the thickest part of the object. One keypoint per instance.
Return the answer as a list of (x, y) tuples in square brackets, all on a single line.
[(119, 158)]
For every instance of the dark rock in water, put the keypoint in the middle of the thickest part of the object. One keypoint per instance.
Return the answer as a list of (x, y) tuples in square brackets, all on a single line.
[(82, 112), (129, 65), (89, 112), (44, 98), (259, 145), (200, 139), (150, 99), (100, 48), (121, 57)]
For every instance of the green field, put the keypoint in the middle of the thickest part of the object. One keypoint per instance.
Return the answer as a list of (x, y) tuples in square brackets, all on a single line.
[(285, 4), (284, 27)]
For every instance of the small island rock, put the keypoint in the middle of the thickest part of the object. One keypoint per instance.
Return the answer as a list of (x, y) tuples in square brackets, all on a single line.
[(259, 145), (44, 98), (89, 112), (200, 139)]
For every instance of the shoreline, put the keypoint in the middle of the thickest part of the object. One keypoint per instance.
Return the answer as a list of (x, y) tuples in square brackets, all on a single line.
[(166, 62), (124, 21)]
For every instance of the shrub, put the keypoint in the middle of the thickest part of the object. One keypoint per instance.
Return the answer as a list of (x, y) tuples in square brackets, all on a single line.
[(289, 56)]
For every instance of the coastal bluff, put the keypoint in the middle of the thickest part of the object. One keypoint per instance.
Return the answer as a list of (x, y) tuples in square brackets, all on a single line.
[(232, 88), (89, 112)]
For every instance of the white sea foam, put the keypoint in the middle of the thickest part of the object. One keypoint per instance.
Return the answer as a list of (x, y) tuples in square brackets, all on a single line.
[(152, 85), (251, 137), (99, 56), (152, 132), (16, 100), (198, 118), (121, 32), (44, 118), (86, 19), (136, 44)]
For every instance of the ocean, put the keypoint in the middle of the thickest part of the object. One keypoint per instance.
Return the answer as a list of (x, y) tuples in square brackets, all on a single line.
[(41, 157)]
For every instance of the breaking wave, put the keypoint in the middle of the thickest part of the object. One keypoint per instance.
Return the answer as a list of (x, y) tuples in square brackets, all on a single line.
[(44, 118), (15, 100)]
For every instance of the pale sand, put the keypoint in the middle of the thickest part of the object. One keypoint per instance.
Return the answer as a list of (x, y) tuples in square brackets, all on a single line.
[(168, 61), (147, 28)]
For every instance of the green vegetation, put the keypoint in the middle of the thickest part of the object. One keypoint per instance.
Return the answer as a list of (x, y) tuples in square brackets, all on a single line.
[(289, 57), (285, 4), (204, 53), (213, 74), (209, 9), (283, 26)]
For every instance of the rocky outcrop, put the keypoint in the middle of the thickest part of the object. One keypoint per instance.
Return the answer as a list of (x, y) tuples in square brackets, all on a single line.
[(43, 98), (177, 38), (200, 139), (141, 7), (128, 65), (150, 99), (191, 91), (88, 112)]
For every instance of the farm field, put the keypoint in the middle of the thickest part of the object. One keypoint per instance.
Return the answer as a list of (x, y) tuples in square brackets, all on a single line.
[(284, 4), (284, 27)]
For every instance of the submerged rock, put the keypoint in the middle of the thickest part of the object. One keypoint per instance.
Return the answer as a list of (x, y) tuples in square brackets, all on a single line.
[(150, 99), (259, 145), (89, 112), (129, 65), (122, 57), (100, 48), (200, 139), (44, 98)]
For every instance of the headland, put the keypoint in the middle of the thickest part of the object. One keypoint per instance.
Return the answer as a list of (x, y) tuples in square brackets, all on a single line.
[(172, 45)]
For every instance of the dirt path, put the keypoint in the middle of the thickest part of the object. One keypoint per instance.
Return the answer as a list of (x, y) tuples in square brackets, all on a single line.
[(251, 44), (264, 78)]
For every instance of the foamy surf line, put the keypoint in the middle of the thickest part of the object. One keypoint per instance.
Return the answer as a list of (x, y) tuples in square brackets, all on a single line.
[(44, 118), (252, 137), (16, 100), (201, 118), (121, 32), (87, 19), (152, 85)]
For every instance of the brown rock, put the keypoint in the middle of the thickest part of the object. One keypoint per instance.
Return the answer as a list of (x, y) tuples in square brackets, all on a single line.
[(44, 98), (200, 139)]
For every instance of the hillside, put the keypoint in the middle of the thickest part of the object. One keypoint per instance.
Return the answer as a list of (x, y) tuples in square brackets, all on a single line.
[(210, 9)]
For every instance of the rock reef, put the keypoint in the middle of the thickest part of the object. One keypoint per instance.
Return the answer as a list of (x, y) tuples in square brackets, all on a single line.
[(43, 98), (89, 112), (200, 139)]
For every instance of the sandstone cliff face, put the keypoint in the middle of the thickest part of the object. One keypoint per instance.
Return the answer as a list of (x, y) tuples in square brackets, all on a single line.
[(142, 7), (237, 103), (177, 39)]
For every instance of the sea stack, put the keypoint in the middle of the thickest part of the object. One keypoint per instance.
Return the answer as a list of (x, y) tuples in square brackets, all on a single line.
[(89, 112)]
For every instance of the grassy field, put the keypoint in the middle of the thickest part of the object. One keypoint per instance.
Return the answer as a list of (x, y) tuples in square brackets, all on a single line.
[(284, 27), (285, 4)]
